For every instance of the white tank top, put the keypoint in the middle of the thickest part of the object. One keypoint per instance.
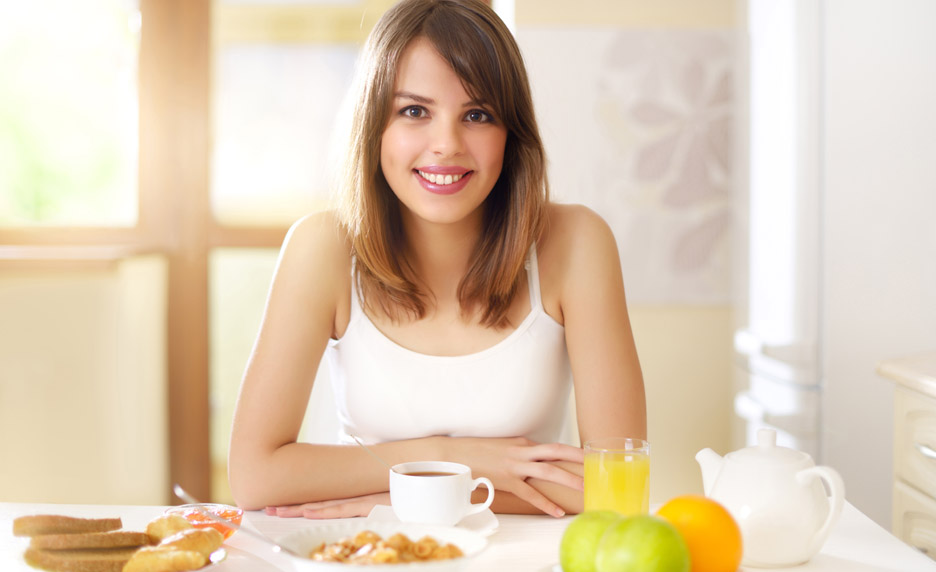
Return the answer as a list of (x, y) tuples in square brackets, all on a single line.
[(518, 387)]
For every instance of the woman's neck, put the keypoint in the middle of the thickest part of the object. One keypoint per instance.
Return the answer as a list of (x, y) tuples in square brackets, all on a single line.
[(440, 253)]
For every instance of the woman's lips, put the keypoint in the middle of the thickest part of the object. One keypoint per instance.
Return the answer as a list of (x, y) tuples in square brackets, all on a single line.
[(443, 180)]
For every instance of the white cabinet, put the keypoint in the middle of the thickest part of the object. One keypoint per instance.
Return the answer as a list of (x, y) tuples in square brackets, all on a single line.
[(914, 512)]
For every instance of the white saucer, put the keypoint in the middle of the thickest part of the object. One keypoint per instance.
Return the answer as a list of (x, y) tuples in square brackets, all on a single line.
[(484, 522)]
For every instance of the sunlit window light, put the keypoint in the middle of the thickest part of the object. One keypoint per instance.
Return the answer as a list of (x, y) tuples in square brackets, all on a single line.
[(69, 112)]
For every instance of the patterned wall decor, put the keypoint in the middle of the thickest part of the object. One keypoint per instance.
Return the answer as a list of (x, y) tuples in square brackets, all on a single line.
[(638, 126)]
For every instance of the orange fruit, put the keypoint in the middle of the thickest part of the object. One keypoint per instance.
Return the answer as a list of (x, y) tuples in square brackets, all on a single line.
[(710, 532)]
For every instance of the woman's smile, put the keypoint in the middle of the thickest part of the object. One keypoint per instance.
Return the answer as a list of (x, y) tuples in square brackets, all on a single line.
[(443, 180)]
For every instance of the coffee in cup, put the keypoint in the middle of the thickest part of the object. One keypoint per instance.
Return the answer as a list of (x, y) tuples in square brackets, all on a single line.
[(435, 492)]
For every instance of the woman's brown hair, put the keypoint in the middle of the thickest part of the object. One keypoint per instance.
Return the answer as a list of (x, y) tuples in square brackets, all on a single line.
[(483, 54)]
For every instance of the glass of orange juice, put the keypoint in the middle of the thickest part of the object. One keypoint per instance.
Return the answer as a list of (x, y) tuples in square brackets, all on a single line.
[(617, 475)]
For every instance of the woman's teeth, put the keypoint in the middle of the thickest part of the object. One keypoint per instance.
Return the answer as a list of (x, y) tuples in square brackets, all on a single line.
[(439, 179)]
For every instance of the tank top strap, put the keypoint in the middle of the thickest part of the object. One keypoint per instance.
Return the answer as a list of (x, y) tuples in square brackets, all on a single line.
[(355, 297), (532, 268)]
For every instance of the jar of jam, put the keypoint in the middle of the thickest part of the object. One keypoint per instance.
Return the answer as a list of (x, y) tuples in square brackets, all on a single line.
[(194, 515)]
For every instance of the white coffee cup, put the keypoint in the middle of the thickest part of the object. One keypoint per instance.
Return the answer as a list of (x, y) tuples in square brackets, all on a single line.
[(435, 492)]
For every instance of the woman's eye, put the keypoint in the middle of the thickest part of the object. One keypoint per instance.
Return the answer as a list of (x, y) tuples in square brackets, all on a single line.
[(478, 116), (413, 111)]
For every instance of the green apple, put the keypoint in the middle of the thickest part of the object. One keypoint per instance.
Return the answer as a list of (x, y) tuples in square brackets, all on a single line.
[(642, 544), (580, 540)]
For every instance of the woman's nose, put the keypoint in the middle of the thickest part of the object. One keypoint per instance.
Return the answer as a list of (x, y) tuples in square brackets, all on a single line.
[(446, 138)]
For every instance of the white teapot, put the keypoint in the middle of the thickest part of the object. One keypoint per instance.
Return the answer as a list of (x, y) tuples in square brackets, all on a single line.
[(776, 496)]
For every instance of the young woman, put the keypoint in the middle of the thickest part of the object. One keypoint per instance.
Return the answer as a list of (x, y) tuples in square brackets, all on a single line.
[(454, 302)]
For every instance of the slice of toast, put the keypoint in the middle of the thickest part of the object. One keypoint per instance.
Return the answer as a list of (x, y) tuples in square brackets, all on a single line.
[(34, 525), (80, 560), (114, 539)]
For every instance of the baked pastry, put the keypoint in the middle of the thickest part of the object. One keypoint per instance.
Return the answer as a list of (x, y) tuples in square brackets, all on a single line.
[(80, 560), (36, 524), (164, 559), (68, 544), (202, 540), (165, 526), (113, 539)]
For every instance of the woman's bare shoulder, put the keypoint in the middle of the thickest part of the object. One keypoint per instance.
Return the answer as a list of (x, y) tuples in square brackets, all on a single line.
[(317, 249), (321, 229), (576, 251), (318, 239), (570, 228)]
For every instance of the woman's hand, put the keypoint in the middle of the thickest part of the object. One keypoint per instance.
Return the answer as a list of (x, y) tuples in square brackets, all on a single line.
[(510, 462), (337, 508), (543, 477)]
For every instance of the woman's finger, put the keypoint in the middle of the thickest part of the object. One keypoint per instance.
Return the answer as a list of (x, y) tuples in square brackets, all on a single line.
[(346, 510), (552, 452), (553, 473), (360, 506), (289, 511), (537, 499), (298, 510)]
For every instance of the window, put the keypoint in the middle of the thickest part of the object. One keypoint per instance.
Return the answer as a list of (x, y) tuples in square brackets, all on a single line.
[(68, 121)]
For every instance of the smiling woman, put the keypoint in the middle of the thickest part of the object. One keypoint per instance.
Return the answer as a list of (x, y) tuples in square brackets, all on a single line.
[(456, 306)]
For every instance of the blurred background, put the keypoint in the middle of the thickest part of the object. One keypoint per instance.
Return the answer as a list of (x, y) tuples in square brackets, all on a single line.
[(154, 152)]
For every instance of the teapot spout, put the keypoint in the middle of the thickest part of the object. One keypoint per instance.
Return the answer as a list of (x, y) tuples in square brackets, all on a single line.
[(711, 463)]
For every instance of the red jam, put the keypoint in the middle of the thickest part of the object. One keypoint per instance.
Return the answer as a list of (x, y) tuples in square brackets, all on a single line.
[(199, 520)]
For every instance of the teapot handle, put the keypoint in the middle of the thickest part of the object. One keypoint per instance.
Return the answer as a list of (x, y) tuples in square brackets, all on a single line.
[(836, 498)]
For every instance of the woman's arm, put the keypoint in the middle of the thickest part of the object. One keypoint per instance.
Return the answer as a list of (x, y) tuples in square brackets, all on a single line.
[(587, 291), (308, 295), (568, 498), (583, 288), (552, 497)]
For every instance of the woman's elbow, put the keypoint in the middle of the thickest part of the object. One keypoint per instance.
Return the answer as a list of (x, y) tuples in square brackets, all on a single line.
[(247, 484)]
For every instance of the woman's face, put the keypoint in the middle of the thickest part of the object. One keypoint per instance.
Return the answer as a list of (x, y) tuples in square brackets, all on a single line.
[(441, 151)]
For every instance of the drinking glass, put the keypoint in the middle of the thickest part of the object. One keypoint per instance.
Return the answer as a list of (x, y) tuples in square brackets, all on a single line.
[(617, 475)]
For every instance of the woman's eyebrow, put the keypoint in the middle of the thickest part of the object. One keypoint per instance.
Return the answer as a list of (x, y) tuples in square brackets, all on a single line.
[(429, 101), (415, 97)]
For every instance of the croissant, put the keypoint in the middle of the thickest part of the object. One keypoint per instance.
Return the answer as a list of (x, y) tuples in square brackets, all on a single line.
[(201, 540), (163, 559), (167, 525)]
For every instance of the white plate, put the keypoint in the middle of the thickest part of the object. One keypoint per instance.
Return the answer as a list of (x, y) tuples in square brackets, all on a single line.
[(304, 541), (484, 522)]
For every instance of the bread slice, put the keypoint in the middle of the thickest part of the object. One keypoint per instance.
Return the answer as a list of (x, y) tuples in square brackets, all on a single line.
[(80, 560), (114, 539), (34, 525)]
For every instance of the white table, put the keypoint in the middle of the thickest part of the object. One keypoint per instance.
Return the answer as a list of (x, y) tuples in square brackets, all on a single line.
[(521, 543)]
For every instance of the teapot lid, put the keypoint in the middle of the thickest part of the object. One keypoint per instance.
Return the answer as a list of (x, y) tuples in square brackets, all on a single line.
[(767, 450)]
